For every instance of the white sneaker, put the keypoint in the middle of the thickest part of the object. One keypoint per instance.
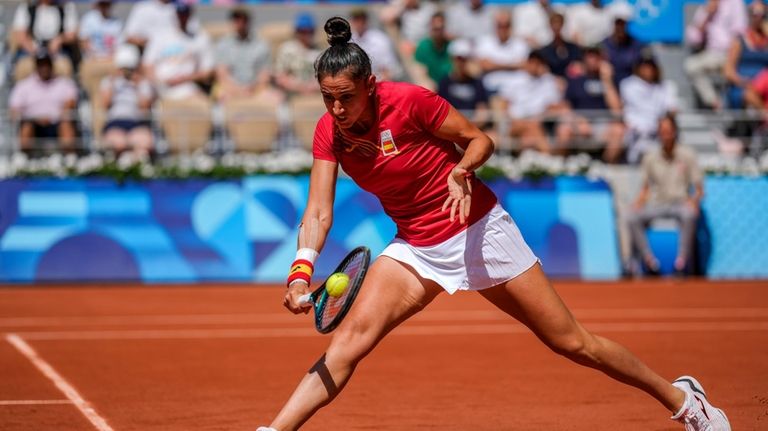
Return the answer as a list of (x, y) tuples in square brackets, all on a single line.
[(697, 413), (265, 429)]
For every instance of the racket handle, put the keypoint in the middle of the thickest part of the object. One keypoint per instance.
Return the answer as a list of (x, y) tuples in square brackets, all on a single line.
[(305, 299)]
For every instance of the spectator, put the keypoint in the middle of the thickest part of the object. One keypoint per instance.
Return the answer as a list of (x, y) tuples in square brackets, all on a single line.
[(44, 105), (593, 91), (432, 52), (588, 23), (532, 22), (748, 55), (149, 18), (502, 54), (713, 28), (377, 45), (623, 50), (46, 24), (127, 96), (243, 62), (669, 175), (531, 96), (412, 18), (295, 62), (646, 98), (100, 31), (469, 19), (463, 91), (179, 60), (560, 53)]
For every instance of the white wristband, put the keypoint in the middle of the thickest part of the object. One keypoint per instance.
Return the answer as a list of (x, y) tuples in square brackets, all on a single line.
[(307, 254)]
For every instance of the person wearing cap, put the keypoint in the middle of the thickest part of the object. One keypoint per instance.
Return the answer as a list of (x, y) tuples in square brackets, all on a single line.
[(646, 97), (295, 58), (432, 51), (100, 31), (469, 19), (594, 107), (587, 23), (462, 90), (127, 97), (622, 49), (179, 61), (46, 24), (44, 104), (243, 62), (377, 45), (501, 55)]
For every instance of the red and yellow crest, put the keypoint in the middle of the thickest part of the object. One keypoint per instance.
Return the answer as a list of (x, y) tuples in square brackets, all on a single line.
[(388, 147)]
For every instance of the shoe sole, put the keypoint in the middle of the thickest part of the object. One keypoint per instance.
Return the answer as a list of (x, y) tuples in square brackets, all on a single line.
[(697, 387)]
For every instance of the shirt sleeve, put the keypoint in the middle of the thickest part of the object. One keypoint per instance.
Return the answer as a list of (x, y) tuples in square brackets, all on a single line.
[(16, 99), (70, 18), (21, 18), (694, 173), (322, 144), (70, 89), (86, 27), (692, 33), (670, 96), (428, 109), (205, 53)]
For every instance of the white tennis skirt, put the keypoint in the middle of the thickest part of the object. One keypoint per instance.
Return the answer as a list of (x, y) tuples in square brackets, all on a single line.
[(489, 252)]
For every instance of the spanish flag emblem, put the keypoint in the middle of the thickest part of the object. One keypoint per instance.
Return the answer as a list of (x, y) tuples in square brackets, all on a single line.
[(388, 147)]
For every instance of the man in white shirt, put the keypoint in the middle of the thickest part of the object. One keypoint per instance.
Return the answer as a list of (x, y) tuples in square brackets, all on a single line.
[(532, 22), (100, 31), (501, 54), (177, 59), (469, 19), (150, 17), (51, 24), (377, 45), (588, 23), (531, 95)]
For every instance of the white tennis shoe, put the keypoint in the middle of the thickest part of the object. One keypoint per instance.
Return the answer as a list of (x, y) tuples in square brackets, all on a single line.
[(697, 414), (265, 429)]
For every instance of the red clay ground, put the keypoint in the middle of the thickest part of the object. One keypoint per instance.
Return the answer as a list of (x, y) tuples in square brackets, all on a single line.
[(227, 357)]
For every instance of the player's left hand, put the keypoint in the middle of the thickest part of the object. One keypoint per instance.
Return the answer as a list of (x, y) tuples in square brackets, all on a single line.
[(459, 194)]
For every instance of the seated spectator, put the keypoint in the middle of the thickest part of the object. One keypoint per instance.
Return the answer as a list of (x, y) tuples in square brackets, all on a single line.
[(594, 91), (243, 62), (412, 18), (713, 28), (532, 22), (531, 96), (100, 31), (670, 173), (127, 97), (560, 53), (377, 45), (148, 18), (502, 54), (588, 23), (623, 50), (179, 60), (46, 24), (432, 52), (44, 106), (646, 97), (748, 55), (469, 19), (295, 62), (463, 91)]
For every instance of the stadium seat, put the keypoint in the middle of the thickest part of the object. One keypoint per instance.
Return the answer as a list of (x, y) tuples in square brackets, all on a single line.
[(252, 124), (306, 111), (275, 33), (186, 123), (92, 72), (217, 29)]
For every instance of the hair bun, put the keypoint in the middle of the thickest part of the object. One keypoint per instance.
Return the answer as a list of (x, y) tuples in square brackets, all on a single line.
[(338, 31)]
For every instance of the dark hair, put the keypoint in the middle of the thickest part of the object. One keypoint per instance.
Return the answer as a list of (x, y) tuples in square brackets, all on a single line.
[(239, 13), (342, 55), (536, 55), (672, 118)]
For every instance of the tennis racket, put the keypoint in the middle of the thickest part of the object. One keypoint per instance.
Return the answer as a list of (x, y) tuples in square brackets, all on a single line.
[(329, 310)]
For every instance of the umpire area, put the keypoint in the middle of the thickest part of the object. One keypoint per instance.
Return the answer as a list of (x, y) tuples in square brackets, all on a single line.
[(227, 357)]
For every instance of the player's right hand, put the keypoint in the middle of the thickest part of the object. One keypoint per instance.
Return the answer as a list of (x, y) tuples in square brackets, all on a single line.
[(291, 299)]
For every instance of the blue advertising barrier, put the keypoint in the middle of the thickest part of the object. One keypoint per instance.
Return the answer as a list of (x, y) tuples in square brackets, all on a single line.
[(245, 230)]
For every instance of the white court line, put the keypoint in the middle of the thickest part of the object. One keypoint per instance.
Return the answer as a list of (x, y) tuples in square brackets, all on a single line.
[(33, 402), (67, 389), (408, 329), (425, 316)]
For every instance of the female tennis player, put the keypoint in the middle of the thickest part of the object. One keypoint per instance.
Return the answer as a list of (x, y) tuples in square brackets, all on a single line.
[(396, 140)]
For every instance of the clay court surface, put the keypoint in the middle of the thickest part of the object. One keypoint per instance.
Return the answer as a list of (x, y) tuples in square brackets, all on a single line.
[(227, 357)]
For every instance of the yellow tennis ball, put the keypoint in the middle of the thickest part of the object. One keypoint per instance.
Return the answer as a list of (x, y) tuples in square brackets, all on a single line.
[(337, 284)]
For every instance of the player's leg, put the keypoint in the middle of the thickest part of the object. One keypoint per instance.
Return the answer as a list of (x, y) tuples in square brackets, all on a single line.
[(531, 299), (391, 293)]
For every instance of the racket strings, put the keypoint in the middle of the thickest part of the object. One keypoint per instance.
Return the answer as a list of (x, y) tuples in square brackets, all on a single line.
[(333, 306)]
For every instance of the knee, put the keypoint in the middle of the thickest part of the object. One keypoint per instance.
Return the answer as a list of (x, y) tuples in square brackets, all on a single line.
[(351, 342), (578, 347)]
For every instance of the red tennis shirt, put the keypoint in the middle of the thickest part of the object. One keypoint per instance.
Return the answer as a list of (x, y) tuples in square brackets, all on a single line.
[(403, 164)]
